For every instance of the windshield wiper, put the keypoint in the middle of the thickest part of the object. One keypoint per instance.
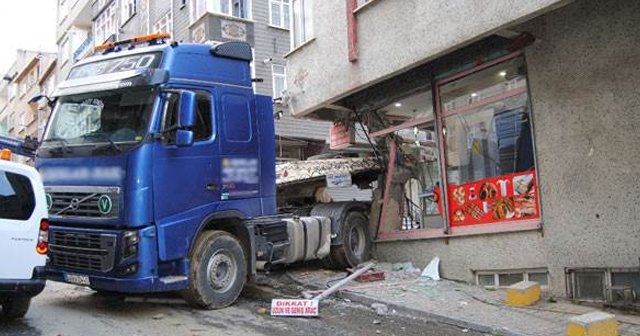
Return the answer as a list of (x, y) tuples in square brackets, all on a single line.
[(103, 137), (113, 145), (63, 145)]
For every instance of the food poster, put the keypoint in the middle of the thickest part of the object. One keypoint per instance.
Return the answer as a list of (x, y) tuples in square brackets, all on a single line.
[(497, 199)]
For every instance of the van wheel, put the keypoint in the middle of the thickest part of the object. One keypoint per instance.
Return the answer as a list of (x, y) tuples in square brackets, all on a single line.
[(218, 271), (356, 243), (15, 307)]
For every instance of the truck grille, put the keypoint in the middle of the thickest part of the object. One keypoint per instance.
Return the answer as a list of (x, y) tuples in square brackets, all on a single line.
[(92, 202), (82, 251)]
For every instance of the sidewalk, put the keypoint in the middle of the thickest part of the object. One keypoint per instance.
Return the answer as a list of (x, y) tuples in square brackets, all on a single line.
[(458, 304)]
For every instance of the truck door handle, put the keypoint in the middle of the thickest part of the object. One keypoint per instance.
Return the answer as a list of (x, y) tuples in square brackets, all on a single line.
[(211, 187)]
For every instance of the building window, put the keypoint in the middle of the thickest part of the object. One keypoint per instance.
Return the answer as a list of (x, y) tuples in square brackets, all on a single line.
[(506, 278), (105, 25), (12, 90), (127, 10), (279, 13), (164, 25), (236, 8), (490, 169), (279, 77), (302, 28)]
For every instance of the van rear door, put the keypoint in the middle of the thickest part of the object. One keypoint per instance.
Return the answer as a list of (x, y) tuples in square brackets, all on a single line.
[(22, 207)]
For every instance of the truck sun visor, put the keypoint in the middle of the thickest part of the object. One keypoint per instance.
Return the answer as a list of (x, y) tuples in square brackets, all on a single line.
[(237, 50)]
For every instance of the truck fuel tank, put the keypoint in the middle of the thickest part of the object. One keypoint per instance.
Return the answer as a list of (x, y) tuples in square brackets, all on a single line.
[(309, 238)]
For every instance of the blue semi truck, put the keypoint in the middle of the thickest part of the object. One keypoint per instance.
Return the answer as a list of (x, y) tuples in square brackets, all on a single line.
[(159, 168)]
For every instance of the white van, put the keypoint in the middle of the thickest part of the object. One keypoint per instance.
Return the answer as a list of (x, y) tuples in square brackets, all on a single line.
[(23, 246)]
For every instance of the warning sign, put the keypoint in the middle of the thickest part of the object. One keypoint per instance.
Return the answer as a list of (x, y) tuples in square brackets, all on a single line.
[(288, 307)]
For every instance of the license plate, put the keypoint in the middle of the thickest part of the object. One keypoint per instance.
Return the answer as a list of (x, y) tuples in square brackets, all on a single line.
[(77, 279)]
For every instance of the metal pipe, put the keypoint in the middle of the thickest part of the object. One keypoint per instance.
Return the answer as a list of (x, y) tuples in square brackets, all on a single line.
[(344, 281)]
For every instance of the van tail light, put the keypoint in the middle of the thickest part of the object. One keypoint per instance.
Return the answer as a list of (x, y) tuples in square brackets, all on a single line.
[(43, 237)]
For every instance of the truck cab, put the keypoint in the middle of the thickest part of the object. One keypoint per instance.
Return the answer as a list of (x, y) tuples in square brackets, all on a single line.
[(159, 170), (147, 147), (23, 213)]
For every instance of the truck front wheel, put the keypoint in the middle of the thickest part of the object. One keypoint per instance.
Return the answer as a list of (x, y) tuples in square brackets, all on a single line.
[(218, 271), (15, 307)]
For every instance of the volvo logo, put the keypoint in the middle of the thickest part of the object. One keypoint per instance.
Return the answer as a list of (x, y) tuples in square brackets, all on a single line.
[(74, 205), (105, 204)]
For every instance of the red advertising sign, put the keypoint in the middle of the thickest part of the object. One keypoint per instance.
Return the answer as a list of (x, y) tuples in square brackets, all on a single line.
[(497, 199), (341, 135)]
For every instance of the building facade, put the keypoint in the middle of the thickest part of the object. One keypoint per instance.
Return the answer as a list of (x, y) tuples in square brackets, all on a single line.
[(264, 24), (32, 74), (509, 129)]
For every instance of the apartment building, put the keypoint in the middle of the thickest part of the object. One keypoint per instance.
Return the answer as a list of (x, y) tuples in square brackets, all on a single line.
[(264, 24), (509, 129), (31, 74)]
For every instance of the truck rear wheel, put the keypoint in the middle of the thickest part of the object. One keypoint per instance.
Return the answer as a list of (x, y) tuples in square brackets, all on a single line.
[(356, 243), (218, 271), (15, 307)]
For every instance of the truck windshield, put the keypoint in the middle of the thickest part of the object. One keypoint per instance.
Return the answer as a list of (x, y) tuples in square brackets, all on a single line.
[(112, 118)]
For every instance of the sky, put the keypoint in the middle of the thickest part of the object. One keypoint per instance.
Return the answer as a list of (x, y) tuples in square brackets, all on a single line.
[(26, 24)]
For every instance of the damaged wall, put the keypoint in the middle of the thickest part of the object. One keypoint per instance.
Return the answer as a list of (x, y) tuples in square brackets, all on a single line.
[(584, 77)]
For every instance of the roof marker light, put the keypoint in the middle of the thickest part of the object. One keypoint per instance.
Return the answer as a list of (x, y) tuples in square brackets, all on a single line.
[(137, 39)]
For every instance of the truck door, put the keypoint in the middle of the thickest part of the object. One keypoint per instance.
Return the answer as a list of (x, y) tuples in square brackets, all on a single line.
[(185, 179), (240, 168), (22, 207)]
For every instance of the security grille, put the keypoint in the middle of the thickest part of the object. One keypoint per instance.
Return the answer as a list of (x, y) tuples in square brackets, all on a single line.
[(82, 251)]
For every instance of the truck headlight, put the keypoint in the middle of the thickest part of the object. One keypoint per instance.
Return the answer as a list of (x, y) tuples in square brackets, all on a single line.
[(130, 244)]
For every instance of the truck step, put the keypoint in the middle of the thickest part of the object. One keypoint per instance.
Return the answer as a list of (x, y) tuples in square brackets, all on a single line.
[(172, 279)]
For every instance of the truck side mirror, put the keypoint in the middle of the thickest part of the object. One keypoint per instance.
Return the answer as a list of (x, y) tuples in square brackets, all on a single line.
[(187, 114), (184, 138)]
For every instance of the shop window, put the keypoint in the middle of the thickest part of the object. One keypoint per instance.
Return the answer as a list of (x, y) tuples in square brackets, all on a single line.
[(412, 122), (488, 146)]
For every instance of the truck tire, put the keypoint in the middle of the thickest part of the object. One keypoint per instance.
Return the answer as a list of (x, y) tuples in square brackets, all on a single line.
[(15, 307), (218, 271), (356, 243)]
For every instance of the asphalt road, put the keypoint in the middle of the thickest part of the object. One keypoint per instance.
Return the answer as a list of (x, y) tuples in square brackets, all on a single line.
[(66, 310)]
